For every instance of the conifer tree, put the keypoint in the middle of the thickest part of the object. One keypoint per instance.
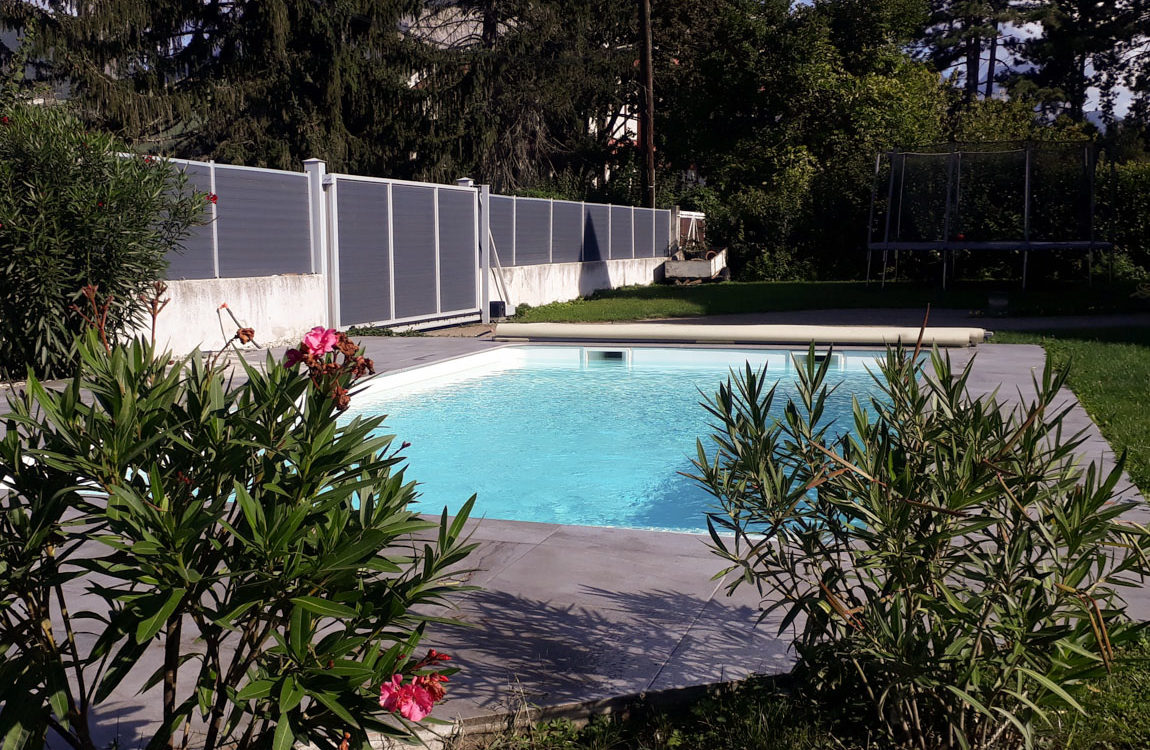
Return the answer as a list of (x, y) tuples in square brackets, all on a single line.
[(1082, 45), (958, 34), (260, 82), (523, 88)]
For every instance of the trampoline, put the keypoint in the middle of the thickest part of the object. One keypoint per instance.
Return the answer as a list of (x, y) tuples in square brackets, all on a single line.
[(1009, 196)]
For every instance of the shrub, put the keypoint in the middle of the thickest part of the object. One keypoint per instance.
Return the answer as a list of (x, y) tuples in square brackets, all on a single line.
[(74, 212), (244, 517), (1124, 213), (950, 572)]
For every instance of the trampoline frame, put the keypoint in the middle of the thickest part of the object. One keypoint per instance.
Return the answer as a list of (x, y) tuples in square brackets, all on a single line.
[(949, 247)]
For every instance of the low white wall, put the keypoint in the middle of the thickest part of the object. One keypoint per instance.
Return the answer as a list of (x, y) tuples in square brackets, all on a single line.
[(558, 282), (280, 309)]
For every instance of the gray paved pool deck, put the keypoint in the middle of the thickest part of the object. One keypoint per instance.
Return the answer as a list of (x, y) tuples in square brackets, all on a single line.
[(576, 614)]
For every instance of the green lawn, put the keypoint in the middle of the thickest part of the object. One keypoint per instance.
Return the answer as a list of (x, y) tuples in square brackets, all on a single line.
[(1110, 374), (666, 301)]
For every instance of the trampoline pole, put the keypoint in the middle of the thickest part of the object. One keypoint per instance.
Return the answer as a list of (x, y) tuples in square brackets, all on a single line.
[(1091, 164), (898, 224), (957, 162), (1109, 213), (886, 229), (1026, 219), (870, 215)]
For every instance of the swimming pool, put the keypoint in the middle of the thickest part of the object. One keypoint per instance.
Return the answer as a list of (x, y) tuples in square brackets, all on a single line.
[(574, 435)]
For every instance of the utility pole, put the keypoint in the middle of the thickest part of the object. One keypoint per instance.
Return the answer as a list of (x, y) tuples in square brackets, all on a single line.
[(647, 112)]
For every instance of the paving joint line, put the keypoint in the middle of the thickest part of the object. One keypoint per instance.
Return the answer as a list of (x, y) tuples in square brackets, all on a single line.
[(675, 649)]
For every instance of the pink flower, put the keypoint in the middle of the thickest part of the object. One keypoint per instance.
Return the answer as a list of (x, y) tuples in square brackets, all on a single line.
[(388, 692), (411, 701), (414, 702), (319, 340)]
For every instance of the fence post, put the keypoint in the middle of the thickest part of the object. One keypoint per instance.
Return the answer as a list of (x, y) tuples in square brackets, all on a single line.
[(582, 231), (485, 253), (332, 259), (215, 220), (610, 221), (438, 270), (317, 204)]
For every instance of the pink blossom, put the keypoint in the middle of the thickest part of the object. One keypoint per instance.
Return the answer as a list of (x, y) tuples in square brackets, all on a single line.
[(411, 701), (319, 340), (414, 703), (388, 692)]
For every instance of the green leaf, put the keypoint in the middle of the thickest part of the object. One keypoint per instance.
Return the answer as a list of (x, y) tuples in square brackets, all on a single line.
[(123, 664), (1050, 685), (284, 737), (323, 607), (151, 625), (255, 690), (291, 693), (332, 703)]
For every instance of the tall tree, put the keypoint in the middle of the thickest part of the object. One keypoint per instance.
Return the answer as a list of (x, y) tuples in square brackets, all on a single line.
[(781, 110), (957, 34), (264, 82), (527, 89), (1080, 48)]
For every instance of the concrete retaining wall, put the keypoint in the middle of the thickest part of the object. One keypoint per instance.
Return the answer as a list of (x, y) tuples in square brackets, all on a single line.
[(282, 308), (558, 282), (279, 308)]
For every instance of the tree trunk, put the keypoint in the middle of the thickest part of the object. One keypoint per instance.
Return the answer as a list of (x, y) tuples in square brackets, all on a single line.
[(490, 25), (171, 665), (990, 64), (973, 52), (1078, 90)]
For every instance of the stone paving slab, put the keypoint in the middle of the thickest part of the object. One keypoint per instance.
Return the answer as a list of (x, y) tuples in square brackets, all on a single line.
[(589, 613)]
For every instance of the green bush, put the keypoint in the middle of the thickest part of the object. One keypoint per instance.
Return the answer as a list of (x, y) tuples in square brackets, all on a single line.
[(74, 212), (243, 517), (1124, 214), (952, 575)]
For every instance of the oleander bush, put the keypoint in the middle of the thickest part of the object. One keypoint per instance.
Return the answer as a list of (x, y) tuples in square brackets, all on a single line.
[(952, 576), (74, 211), (171, 506)]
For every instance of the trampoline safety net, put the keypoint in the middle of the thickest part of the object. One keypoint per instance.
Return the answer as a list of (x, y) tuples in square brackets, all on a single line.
[(986, 196)]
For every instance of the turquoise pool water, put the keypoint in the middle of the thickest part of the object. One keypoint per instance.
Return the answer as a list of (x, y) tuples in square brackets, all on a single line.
[(571, 435)]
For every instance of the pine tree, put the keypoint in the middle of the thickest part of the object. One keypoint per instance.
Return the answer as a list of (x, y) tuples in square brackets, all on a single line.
[(1082, 46), (523, 88), (957, 34), (260, 82)]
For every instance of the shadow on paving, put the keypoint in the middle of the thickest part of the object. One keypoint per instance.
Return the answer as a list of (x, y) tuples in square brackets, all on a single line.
[(521, 651)]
